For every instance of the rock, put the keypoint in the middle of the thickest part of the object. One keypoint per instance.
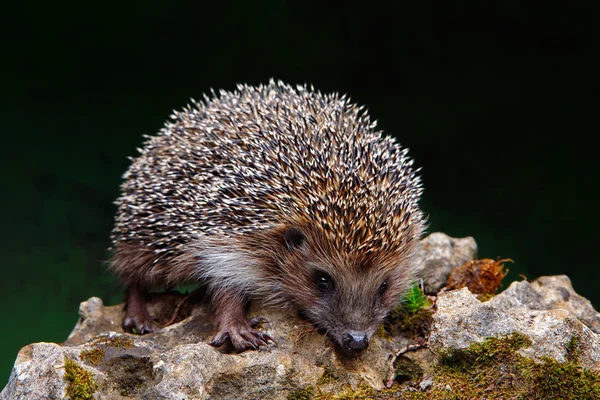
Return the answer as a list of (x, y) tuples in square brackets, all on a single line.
[(549, 293), (532, 309), (94, 318), (177, 363), (439, 254), (37, 374), (98, 359), (426, 382)]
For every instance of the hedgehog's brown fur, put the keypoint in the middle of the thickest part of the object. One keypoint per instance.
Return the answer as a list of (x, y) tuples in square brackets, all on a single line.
[(275, 193)]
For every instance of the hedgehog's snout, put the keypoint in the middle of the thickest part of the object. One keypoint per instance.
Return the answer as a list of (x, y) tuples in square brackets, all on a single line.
[(356, 341)]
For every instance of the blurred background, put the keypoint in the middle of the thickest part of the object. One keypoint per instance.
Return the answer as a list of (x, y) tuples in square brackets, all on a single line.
[(498, 102)]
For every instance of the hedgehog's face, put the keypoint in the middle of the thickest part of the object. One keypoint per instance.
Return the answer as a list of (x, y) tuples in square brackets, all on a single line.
[(345, 297)]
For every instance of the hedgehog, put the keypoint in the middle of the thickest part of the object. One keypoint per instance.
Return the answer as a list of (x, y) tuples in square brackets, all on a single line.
[(276, 194)]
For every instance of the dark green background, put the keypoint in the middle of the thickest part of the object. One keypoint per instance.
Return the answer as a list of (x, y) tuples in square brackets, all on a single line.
[(498, 101)]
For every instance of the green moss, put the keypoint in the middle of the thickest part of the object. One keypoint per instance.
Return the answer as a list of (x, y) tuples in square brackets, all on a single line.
[(485, 297), (122, 342), (494, 369), (416, 396), (486, 353), (306, 393), (416, 324), (574, 349), (553, 380), (361, 392), (484, 370), (327, 377), (383, 332), (81, 384), (413, 316), (93, 356)]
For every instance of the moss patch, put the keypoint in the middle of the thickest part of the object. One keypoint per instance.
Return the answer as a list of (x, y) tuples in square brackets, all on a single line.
[(413, 317), (486, 353), (96, 355), (81, 384), (121, 342), (363, 391), (93, 356), (384, 330), (554, 380), (573, 349), (493, 369), (415, 324), (327, 377), (485, 297), (306, 393)]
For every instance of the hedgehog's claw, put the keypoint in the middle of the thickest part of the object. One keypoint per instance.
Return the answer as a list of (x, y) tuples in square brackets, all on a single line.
[(137, 318), (243, 338), (267, 338), (219, 339), (254, 322), (138, 324)]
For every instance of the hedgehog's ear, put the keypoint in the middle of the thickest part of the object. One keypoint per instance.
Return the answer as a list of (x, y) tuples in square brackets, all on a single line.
[(294, 238)]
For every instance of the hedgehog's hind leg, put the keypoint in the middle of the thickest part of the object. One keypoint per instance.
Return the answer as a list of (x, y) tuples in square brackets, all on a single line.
[(232, 323), (137, 318), (135, 263)]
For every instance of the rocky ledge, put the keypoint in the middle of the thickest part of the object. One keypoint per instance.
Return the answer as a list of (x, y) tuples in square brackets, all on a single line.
[(536, 339)]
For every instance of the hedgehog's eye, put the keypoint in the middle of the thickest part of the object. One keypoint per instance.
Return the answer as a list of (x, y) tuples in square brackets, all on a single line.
[(294, 238), (383, 287), (324, 281)]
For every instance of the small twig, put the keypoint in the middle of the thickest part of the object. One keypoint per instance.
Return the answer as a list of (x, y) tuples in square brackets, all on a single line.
[(179, 305), (410, 347)]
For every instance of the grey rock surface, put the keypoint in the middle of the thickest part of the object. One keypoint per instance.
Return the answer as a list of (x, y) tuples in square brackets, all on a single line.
[(548, 293), (177, 363), (37, 374), (531, 309), (438, 255)]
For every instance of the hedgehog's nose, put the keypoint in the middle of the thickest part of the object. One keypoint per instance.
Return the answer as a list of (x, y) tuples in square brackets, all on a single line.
[(357, 341)]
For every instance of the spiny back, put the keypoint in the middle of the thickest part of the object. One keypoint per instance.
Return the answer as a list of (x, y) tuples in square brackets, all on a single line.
[(257, 157)]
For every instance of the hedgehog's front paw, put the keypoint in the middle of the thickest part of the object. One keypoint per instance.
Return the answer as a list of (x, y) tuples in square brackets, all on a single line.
[(242, 337), (139, 324)]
